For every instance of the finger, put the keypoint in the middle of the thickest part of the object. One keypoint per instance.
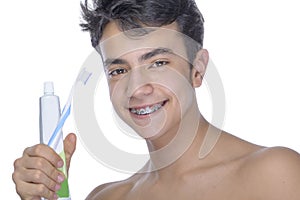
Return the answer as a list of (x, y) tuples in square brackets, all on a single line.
[(40, 165), (41, 150), (38, 177), (29, 190), (34, 191), (69, 147)]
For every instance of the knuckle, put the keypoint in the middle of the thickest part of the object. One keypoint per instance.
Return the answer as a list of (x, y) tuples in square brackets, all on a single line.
[(15, 177), (17, 163), (27, 150), (39, 164), (37, 149), (52, 184), (34, 150), (41, 189), (38, 175), (19, 189), (54, 172)]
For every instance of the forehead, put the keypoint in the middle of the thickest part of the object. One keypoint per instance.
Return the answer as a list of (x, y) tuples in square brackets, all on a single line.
[(115, 43)]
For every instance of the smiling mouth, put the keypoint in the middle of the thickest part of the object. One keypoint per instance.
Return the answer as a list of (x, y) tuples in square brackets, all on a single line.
[(148, 109)]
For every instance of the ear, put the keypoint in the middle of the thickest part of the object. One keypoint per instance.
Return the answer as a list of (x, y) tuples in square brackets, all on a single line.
[(199, 67)]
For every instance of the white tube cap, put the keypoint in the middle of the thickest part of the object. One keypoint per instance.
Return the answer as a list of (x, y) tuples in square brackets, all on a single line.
[(48, 88)]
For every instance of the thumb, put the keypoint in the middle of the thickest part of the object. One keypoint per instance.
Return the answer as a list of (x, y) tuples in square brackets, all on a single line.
[(69, 147)]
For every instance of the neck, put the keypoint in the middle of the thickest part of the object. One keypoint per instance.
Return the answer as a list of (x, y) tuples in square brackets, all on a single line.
[(170, 152)]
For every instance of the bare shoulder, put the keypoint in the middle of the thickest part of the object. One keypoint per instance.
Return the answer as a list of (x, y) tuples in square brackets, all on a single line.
[(108, 191), (275, 159), (262, 172), (275, 154), (112, 191), (273, 173)]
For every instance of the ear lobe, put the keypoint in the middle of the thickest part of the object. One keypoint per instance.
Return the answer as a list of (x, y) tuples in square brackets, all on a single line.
[(199, 67)]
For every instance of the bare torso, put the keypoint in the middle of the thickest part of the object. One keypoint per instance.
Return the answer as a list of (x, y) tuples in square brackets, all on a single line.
[(230, 174)]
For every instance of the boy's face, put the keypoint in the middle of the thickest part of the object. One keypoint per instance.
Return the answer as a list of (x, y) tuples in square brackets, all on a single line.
[(150, 81)]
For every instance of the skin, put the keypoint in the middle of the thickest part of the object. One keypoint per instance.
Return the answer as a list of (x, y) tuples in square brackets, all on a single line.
[(35, 173), (233, 169)]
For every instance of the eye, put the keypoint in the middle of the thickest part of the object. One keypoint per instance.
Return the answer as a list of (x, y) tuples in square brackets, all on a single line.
[(116, 72), (159, 63)]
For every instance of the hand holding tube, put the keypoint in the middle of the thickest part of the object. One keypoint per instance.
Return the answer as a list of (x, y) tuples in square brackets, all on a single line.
[(36, 174)]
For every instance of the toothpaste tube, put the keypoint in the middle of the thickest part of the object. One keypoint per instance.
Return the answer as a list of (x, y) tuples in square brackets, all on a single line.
[(50, 115)]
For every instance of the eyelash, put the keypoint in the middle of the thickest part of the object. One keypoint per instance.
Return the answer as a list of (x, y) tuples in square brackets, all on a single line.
[(119, 71), (116, 72), (159, 63)]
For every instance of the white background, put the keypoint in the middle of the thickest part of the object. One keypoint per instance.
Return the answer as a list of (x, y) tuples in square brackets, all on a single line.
[(254, 45)]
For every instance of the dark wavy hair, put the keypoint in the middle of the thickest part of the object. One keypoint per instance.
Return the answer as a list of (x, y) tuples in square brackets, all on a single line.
[(130, 14)]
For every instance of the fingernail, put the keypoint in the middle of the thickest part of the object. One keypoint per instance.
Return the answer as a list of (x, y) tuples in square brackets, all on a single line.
[(60, 163), (57, 187), (55, 196), (72, 139), (60, 178)]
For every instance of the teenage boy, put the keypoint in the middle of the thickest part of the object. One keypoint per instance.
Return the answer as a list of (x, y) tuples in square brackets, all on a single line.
[(152, 70)]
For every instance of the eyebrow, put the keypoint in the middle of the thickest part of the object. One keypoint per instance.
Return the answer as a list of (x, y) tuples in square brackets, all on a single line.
[(154, 53), (144, 57), (114, 61)]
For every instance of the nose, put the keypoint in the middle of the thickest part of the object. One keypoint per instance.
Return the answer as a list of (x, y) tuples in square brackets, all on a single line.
[(139, 84)]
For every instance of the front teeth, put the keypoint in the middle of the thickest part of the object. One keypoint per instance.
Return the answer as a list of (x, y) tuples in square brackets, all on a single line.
[(147, 110)]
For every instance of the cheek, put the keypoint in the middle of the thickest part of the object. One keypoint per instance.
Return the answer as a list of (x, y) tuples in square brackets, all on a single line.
[(117, 86), (176, 83), (186, 72), (118, 96), (111, 89), (115, 90), (184, 96)]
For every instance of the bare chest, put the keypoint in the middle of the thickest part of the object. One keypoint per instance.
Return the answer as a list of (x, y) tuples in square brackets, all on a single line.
[(225, 186)]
